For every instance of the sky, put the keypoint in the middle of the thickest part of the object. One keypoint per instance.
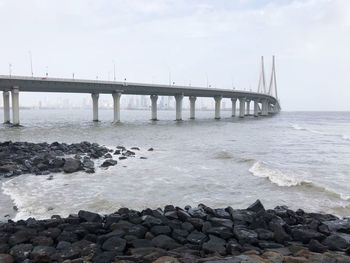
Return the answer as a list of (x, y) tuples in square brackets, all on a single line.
[(190, 40)]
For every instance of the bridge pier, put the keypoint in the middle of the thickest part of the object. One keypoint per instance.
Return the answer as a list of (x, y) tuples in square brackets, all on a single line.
[(233, 100), (192, 107), (154, 99), (265, 108), (241, 107), (94, 97), (6, 99), (116, 106), (217, 107), (178, 99), (15, 105), (248, 108), (256, 108)]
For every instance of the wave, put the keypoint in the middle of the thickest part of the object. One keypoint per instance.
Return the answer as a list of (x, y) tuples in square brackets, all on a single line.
[(276, 176), (299, 128), (260, 169)]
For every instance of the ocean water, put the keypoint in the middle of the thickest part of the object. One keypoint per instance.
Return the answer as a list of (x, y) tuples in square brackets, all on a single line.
[(298, 159)]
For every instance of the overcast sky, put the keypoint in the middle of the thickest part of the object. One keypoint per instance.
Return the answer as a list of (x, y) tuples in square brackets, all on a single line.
[(223, 39)]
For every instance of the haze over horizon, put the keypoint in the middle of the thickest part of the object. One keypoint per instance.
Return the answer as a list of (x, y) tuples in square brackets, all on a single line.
[(191, 40)]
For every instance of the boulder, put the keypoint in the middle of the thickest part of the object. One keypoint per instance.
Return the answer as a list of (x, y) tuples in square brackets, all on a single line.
[(215, 244), (114, 244), (305, 235), (196, 238), (335, 242), (89, 216), (256, 207), (244, 235), (165, 242), (159, 230), (72, 165), (109, 162), (42, 253), (21, 252), (316, 246)]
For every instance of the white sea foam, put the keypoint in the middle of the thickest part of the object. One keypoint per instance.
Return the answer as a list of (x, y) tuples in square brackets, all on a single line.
[(276, 176), (299, 128)]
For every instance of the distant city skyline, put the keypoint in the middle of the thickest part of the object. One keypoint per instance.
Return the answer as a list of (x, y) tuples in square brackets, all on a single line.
[(198, 43)]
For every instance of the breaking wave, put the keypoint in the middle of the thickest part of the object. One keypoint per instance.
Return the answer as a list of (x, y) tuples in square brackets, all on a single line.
[(276, 176)]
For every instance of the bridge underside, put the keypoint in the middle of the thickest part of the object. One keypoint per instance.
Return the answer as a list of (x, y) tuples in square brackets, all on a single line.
[(264, 104)]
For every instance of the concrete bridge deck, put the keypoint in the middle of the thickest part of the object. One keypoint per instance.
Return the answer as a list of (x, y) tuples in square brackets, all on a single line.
[(16, 84)]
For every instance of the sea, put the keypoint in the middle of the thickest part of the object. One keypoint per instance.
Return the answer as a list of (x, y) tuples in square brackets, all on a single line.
[(296, 159)]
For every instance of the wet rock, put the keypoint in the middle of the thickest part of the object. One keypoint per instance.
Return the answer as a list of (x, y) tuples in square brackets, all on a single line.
[(215, 244), (335, 242), (21, 252), (109, 162), (244, 235), (158, 230), (196, 238), (42, 253), (305, 235), (150, 149), (165, 242), (89, 216), (316, 246), (137, 243), (135, 148), (222, 232), (256, 207), (114, 244), (71, 165), (107, 156)]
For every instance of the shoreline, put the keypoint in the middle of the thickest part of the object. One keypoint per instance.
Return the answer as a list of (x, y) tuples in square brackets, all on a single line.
[(173, 234)]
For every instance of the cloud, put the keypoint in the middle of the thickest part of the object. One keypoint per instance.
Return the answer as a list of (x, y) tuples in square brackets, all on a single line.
[(223, 38)]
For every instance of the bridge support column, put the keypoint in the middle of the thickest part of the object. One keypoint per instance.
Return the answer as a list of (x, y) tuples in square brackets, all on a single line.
[(248, 108), (192, 107), (265, 108), (233, 100), (154, 99), (178, 99), (116, 106), (95, 97), (217, 107), (6, 97), (241, 107), (256, 108), (15, 105)]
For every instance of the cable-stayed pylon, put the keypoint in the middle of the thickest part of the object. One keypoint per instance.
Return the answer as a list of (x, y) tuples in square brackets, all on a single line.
[(262, 81), (273, 82)]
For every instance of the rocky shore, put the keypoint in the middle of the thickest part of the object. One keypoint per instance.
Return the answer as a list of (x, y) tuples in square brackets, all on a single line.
[(18, 158), (173, 234)]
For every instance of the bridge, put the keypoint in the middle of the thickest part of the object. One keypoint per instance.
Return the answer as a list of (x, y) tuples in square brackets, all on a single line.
[(265, 99)]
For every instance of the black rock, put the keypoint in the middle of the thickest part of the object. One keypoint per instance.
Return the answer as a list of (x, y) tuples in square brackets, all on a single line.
[(165, 242), (72, 165), (256, 207), (159, 230), (21, 252), (335, 242), (89, 216), (109, 162), (42, 253), (244, 235), (305, 235), (196, 238), (137, 243), (316, 246), (114, 244), (215, 244), (221, 231)]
